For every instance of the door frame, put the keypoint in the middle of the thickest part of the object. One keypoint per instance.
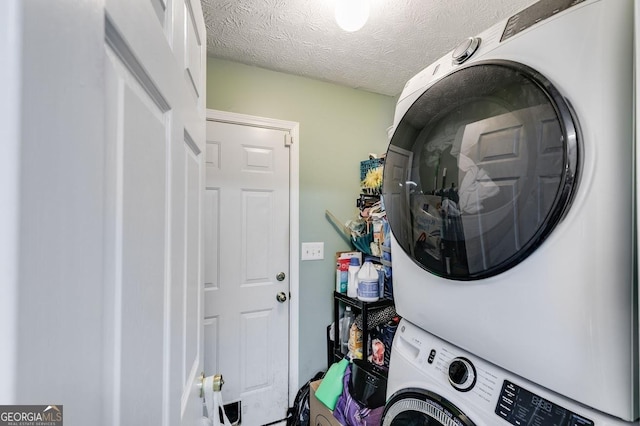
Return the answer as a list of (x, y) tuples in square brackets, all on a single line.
[(293, 128)]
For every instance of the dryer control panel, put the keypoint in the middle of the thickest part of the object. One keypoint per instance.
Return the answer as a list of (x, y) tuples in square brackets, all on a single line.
[(535, 13), (518, 406)]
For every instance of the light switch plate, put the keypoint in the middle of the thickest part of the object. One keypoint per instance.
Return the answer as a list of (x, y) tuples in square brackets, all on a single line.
[(312, 251)]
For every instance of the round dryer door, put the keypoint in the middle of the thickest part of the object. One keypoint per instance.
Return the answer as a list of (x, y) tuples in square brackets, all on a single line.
[(480, 170), (415, 407)]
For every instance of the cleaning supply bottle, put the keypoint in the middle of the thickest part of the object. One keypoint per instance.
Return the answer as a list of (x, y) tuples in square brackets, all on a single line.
[(345, 326), (368, 283), (352, 285), (342, 276)]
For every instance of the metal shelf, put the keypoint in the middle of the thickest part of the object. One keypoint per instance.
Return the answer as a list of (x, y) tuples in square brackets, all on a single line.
[(364, 308)]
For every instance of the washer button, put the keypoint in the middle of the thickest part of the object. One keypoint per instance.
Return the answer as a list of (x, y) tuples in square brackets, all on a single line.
[(462, 374), (432, 356)]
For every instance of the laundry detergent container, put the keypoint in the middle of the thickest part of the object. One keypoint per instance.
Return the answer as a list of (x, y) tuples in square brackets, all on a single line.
[(368, 384)]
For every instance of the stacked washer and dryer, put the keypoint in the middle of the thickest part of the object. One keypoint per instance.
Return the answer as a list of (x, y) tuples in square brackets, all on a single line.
[(509, 189)]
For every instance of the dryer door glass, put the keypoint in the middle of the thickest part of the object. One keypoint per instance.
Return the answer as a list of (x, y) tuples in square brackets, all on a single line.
[(480, 170), (415, 407)]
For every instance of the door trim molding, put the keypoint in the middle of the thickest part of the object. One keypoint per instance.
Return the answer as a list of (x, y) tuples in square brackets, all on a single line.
[(294, 225)]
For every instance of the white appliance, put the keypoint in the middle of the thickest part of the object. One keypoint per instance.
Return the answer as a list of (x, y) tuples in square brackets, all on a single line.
[(432, 382), (509, 190)]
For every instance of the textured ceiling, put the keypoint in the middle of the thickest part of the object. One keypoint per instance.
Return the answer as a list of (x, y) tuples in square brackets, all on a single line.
[(301, 37)]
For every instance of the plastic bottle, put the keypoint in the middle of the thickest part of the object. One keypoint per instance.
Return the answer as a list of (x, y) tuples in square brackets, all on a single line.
[(352, 285), (368, 283), (345, 326), (381, 278), (342, 276), (355, 342)]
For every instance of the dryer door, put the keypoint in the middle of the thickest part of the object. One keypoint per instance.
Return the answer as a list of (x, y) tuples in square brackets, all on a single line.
[(416, 407), (480, 170)]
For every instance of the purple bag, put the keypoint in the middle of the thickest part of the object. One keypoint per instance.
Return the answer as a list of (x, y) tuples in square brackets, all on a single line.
[(350, 413)]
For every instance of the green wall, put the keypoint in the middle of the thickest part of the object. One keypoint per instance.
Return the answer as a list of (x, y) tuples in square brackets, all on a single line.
[(339, 127)]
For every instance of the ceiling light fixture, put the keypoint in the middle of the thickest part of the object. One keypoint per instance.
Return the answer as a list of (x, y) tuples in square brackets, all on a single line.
[(351, 15)]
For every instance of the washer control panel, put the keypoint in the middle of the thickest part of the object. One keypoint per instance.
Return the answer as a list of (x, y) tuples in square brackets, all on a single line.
[(518, 406), (422, 360)]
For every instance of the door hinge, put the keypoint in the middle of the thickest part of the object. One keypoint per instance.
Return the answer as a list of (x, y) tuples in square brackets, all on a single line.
[(288, 140)]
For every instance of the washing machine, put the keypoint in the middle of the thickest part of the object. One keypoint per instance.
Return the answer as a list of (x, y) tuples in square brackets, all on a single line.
[(434, 383), (508, 186)]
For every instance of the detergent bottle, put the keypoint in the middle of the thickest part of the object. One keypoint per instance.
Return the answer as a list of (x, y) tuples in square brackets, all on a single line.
[(352, 285), (368, 283)]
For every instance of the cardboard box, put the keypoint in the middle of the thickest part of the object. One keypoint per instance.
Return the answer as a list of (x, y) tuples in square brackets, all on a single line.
[(320, 415)]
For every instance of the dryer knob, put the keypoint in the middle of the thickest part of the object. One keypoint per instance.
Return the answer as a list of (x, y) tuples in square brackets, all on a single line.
[(462, 374), (465, 50)]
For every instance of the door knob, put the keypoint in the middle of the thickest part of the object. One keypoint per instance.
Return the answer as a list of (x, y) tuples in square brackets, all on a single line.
[(281, 297), (281, 276), (216, 383)]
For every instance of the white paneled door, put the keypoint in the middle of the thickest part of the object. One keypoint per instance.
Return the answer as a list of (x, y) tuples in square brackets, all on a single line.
[(155, 139), (247, 273), (104, 133)]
